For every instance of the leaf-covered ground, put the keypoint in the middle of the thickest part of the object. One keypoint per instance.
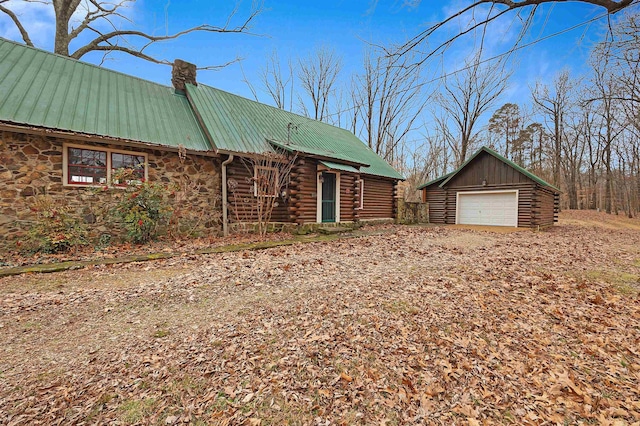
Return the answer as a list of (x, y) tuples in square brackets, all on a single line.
[(428, 325)]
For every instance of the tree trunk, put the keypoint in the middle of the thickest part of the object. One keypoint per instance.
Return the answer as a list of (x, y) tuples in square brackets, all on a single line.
[(608, 180), (63, 10), (593, 193), (557, 147)]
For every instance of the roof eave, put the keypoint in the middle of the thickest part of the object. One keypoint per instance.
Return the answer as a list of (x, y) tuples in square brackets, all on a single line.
[(434, 181), (327, 157), (86, 137)]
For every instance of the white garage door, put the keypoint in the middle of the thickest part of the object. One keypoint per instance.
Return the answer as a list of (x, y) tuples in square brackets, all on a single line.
[(488, 208)]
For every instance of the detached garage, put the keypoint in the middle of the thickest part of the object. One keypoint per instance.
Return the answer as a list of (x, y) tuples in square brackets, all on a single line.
[(490, 190)]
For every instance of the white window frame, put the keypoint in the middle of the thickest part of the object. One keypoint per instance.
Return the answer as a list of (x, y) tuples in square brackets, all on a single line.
[(319, 195), (108, 151), (361, 195), (255, 181)]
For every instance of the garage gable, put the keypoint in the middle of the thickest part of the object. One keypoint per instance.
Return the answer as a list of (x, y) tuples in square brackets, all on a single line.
[(486, 169)]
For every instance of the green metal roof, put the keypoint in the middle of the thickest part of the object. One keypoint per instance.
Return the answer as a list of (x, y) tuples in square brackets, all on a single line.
[(505, 160), (45, 90), (431, 182), (240, 125), (338, 166), (291, 147)]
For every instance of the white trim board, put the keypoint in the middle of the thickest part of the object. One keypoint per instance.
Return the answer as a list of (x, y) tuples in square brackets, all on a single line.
[(319, 195)]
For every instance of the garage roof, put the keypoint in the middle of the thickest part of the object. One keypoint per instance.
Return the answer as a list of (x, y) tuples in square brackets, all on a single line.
[(432, 182)]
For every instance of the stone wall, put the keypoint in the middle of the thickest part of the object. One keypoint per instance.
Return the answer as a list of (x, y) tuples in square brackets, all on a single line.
[(412, 212), (31, 165)]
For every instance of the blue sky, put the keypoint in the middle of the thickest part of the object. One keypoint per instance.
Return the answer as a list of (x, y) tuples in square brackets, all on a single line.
[(296, 28)]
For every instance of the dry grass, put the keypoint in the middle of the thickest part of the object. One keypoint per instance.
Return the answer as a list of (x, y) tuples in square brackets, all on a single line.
[(424, 326)]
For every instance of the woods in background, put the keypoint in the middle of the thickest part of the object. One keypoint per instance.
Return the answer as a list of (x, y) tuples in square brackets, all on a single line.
[(580, 133)]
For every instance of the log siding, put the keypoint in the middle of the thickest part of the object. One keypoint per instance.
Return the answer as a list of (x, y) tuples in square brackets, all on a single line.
[(241, 201), (301, 201), (378, 198), (537, 204)]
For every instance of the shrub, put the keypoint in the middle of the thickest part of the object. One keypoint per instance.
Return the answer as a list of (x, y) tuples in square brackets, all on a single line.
[(56, 230), (141, 208)]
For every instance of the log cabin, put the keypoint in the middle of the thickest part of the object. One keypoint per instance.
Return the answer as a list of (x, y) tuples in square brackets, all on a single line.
[(67, 126)]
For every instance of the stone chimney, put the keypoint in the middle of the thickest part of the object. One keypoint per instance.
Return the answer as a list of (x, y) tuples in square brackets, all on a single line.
[(182, 73)]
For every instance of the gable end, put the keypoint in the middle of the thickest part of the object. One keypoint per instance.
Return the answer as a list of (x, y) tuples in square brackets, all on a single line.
[(487, 170)]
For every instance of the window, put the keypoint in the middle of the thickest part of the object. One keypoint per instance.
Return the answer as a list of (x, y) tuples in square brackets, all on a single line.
[(133, 164), (87, 166), (361, 204), (265, 181)]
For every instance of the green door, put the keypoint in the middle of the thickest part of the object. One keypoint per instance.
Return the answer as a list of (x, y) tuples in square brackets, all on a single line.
[(328, 197)]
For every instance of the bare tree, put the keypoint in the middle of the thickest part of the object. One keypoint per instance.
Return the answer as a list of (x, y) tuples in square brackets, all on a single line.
[(576, 133), (480, 13), (622, 49), (317, 75), (269, 180), (464, 98), (277, 84), (427, 161), (390, 101), (605, 89), (553, 104), (100, 20), (538, 147)]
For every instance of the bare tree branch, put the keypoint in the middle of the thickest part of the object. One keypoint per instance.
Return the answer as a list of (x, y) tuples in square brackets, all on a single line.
[(610, 6), (96, 13), (465, 98), (95, 44), (16, 21)]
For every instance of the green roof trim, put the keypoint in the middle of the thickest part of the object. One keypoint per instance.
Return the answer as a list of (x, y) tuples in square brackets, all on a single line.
[(340, 167), (424, 185), (243, 126), (42, 89), (505, 160)]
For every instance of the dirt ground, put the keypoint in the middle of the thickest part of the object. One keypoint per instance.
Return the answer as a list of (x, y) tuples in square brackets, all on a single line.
[(426, 325)]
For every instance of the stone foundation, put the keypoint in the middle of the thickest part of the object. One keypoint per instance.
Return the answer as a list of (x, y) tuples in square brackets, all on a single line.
[(31, 165)]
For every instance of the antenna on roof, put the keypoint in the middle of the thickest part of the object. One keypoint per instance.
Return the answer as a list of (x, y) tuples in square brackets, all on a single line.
[(289, 127)]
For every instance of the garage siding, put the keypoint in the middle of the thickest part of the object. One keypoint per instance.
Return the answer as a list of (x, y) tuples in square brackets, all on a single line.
[(486, 167), (544, 208), (435, 197)]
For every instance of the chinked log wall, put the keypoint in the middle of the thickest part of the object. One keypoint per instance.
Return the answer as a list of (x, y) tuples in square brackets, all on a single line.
[(242, 202), (348, 203), (301, 205), (547, 207), (378, 198), (303, 188), (436, 198)]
